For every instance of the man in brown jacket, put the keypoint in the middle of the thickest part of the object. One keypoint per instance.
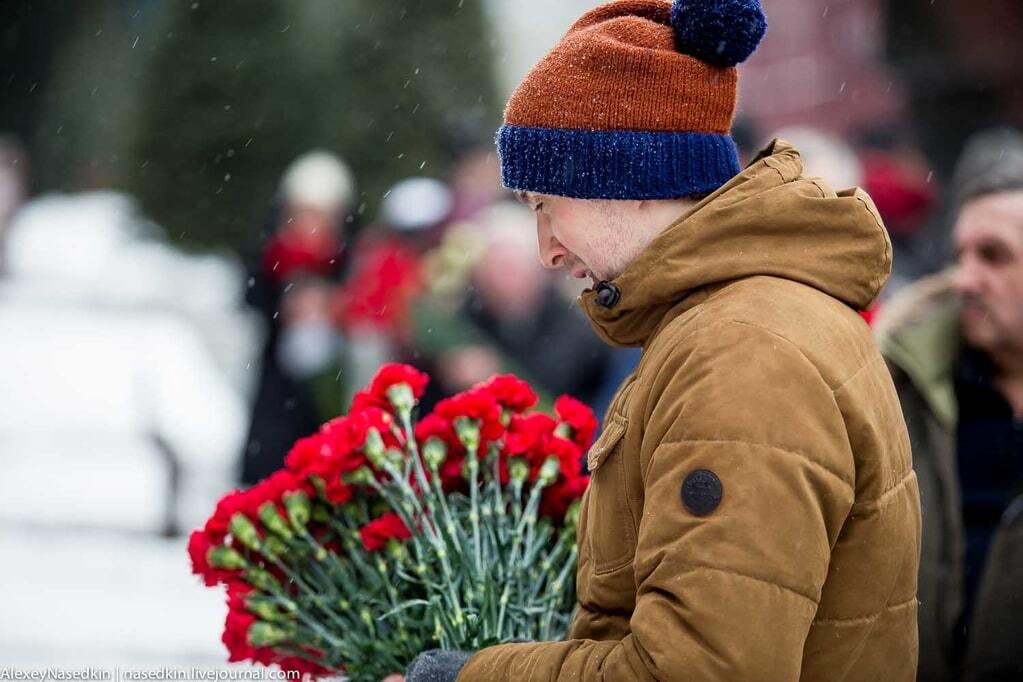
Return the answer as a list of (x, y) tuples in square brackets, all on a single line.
[(753, 512)]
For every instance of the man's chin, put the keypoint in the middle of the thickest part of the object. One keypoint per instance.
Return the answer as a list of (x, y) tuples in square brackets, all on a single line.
[(979, 332)]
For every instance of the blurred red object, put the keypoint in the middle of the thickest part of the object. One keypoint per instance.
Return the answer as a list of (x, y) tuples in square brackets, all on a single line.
[(900, 189), (870, 314), (289, 253), (380, 291)]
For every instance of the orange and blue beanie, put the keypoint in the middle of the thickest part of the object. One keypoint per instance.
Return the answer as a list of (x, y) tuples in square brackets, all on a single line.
[(635, 102)]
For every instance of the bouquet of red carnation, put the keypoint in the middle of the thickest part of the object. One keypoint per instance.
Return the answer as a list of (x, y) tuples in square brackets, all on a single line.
[(384, 536)]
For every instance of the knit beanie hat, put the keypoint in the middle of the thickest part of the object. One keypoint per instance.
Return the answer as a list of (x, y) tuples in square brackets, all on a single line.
[(635, 102)]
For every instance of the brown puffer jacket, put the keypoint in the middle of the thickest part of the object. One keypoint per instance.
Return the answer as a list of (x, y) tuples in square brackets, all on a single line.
[(753, 513)]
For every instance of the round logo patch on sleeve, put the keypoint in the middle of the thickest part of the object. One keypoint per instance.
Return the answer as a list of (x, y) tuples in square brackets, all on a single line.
[(701, 492)]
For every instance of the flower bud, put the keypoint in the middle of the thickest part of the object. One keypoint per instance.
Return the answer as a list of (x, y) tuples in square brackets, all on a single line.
[(395, 549), (225, 558), (434, 453), (266, 634), (402, 398), (572, 515), (262, 580), (274, 547), (298, 507), (244, 531), (518, 469), (549, 471), (321, 513), (360, 476), (374, 447), (468, 431), (264, 610), (272, 520), (395, 457)]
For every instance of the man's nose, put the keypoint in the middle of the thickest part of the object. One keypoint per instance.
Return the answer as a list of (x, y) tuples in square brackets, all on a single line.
[(552, 252), (967, 276)]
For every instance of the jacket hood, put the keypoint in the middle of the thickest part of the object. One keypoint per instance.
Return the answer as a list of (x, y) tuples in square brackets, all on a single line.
[(768, 220)]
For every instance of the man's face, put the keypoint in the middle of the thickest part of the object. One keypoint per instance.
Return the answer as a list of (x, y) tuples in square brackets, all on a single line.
[(587, 237), (989, 273)]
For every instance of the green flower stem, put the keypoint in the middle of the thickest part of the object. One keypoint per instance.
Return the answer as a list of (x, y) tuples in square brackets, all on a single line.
[(474, 513), (555, 589), (431, 488), (340, 570), (311, 622), (439, 547), (313, 594), (520, 528)]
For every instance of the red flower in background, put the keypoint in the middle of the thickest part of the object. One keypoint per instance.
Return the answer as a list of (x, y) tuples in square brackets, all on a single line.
[(579, 417), (377, 532), (292, 253), (386, 281), (510, 392)]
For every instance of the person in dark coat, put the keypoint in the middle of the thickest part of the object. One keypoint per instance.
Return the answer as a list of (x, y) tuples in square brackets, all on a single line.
[(954, 343), (305, 252)]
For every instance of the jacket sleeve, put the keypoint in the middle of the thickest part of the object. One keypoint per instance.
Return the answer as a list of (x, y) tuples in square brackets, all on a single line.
[(729, 595)]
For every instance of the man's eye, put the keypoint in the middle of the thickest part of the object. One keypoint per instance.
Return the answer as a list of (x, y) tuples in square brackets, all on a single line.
[(538, 206)]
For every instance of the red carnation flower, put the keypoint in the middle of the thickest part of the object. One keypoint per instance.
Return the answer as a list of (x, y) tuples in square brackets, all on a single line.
[(305, 452), (377, 532), (511, 393), (478, 405), (571, 482), (237, 624), (579, 417), (375, 395), (216, 526), (198, 546), (435, 426), (527, 434)]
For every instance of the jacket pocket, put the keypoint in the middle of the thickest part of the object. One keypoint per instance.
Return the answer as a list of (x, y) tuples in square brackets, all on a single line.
[(610, 533)]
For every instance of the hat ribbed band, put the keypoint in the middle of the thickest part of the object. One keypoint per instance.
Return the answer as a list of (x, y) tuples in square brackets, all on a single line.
[(615, 164)]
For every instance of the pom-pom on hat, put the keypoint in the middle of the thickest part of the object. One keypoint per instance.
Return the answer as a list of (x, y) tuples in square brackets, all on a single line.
[(636, 101)]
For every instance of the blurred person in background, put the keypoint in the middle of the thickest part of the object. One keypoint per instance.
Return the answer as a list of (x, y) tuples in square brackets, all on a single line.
[(954, 343), (307, 246), (117, 410), (374, 305), (476, 183), (825, 155), (512, 317), (13, 185)]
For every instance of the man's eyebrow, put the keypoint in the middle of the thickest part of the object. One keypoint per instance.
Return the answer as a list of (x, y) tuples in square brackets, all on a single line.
[(523, 197)]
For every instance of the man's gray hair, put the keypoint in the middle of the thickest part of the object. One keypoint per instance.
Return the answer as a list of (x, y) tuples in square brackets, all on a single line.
[(991, 162)]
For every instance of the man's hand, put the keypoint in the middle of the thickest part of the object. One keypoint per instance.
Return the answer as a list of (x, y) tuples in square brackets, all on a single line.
[(436, 665)]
